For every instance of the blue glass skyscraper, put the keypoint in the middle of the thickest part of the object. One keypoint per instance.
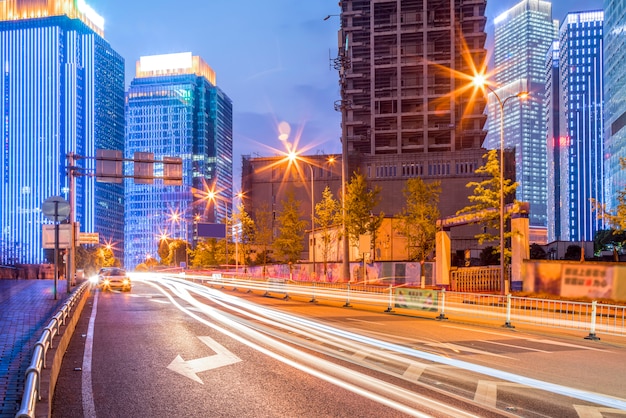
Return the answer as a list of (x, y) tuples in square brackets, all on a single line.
[(61, 91), (581, 124), (523, 36), (174, 108), (615, 105)]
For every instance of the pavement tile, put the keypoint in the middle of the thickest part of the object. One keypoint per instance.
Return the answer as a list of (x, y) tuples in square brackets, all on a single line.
[(26, 307)]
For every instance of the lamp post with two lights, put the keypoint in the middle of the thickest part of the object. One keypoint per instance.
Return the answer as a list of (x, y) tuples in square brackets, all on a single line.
[(481, 82)]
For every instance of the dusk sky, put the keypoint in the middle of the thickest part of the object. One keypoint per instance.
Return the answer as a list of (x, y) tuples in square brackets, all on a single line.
[(271, 58)]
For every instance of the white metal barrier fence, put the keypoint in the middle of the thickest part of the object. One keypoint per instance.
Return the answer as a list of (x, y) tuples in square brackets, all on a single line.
[(592, 318)]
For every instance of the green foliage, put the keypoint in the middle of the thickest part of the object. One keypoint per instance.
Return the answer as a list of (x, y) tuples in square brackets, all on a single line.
[(486, 200), (573, 252), (360, 202), (288, 243), (328, 214), (206, 253), (178, 252), (87, 259), (537, 252), (248, 233), (164, 252), (489, 257), (616, 219), (264, 233), (418, 219), (609, 239)]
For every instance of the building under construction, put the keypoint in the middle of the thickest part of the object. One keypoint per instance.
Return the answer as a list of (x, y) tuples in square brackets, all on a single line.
[(400, 62), (406, 110)]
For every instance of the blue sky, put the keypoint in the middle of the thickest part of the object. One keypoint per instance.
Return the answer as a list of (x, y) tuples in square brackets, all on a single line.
[(271, 58)]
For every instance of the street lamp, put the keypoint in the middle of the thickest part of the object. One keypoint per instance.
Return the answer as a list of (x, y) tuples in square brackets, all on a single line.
[(480, 81), (292, 156)]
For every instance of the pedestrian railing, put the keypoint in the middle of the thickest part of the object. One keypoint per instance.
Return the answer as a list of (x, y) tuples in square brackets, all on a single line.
[(592, 317), (32, 386)]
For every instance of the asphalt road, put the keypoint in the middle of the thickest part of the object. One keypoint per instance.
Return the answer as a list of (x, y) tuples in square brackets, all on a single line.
[(157, 352)]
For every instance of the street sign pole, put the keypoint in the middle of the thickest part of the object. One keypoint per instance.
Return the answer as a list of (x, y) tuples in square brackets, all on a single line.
[(56, 209), (71, 261)]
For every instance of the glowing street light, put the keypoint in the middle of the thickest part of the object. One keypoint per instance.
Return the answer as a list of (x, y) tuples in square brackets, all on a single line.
[(480, 81)]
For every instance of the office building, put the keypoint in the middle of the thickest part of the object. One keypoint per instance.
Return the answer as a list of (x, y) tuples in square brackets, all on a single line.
[(557, 155), (615, 105), (581, 124), (62, 91), (174, 108), (523, 36)]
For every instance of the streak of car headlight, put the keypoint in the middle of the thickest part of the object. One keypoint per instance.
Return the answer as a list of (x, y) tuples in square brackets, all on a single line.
[(378, 390), (342, 337)]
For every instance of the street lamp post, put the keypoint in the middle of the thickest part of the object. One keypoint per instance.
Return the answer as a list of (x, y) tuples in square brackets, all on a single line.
[(480, 81), (292, 156)]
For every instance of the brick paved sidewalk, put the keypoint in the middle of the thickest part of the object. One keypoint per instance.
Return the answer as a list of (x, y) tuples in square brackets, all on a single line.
[(26, 307)]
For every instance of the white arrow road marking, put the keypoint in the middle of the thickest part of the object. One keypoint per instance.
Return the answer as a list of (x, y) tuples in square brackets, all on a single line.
[(190, 368)]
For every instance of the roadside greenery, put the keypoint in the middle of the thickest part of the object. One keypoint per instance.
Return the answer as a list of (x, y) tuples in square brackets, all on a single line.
[(418, 219)]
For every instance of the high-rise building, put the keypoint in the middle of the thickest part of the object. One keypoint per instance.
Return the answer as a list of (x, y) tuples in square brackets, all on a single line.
[(557, 155), (615, 105), (62, 91), (581, 124), (401, 93), (174, 108), (523, 36)]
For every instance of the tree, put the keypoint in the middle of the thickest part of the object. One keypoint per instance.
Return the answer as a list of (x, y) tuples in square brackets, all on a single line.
[(206, 253), (360, 203), (264, 234), (288, 243), (418, 218), (247, 234), (573, 252), (178, 251), (615, 219), (328, 213), (537, 252), (485, 201), (609, 240), (164, 251)]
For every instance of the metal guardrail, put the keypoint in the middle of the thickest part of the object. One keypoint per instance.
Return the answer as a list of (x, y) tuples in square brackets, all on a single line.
[(591, 317), (32, 385)]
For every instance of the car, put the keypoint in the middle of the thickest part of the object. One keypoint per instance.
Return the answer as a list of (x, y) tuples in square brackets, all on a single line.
[(110, 278)]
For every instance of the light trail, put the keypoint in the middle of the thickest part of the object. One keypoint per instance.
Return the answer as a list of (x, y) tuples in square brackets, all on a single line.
[(383, 350), (378, 390)]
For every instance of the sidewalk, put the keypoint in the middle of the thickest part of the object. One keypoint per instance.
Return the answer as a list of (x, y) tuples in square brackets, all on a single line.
[(26, 307)]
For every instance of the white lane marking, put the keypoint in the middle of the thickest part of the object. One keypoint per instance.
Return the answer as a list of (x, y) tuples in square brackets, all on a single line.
[(487, 391), (585, 411), (190, 368), (89, 409), (517, 346), (579, 347), (461, 348)]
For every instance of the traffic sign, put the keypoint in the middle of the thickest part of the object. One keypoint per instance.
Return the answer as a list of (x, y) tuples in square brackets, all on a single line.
[(56, 208)]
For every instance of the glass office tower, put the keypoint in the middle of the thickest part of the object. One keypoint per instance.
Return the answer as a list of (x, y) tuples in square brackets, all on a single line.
[(62, 91), (615, 105), (581, 124), (173, 108), (557, 155), (523, 36)]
